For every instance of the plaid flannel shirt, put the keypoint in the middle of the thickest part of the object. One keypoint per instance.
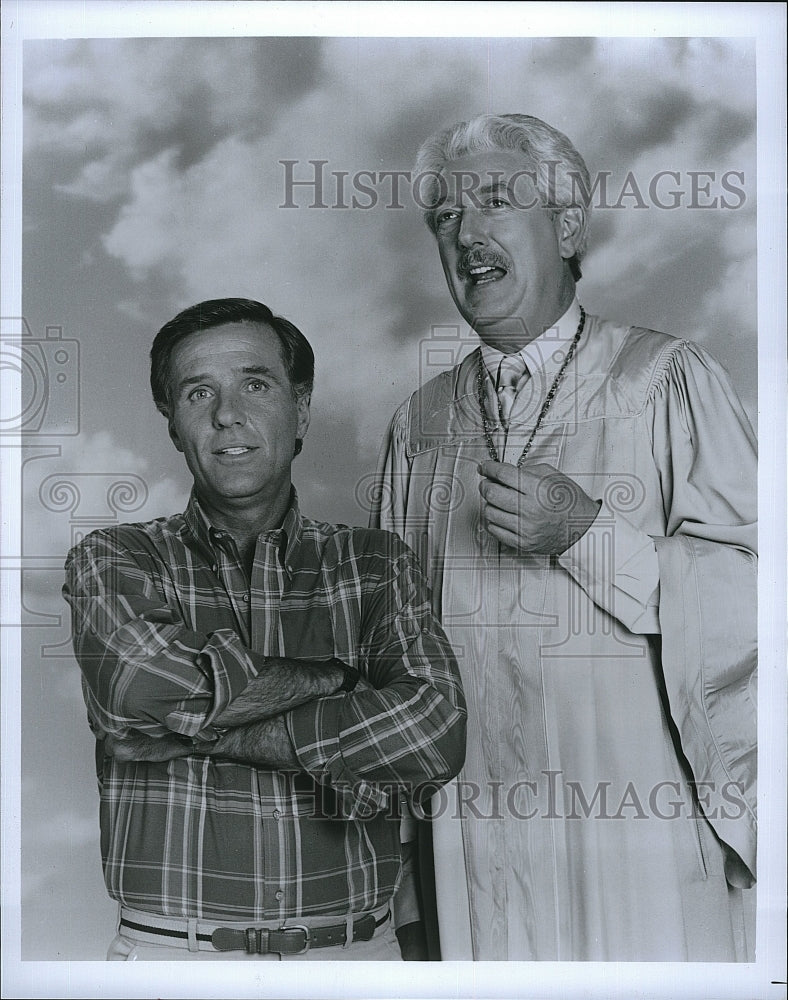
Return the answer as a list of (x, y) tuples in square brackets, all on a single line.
[(168, 629)]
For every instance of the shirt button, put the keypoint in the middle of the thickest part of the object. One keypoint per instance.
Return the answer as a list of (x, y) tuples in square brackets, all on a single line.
[(279, 894), (245, 598), (214, 569), (277, 814)]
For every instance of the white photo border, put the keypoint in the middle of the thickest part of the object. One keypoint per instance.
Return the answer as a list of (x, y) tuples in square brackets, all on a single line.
[(766, 23)]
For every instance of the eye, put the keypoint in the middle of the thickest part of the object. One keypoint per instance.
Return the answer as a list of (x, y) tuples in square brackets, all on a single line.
[(446, 217), (201, 392), (256, 385), (497, 202)]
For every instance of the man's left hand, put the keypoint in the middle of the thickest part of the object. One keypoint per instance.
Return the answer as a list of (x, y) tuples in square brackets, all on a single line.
[(141, 747), (536, 509)]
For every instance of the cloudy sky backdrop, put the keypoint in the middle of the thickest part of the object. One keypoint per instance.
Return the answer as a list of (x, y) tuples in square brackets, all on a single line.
[(152, 180)]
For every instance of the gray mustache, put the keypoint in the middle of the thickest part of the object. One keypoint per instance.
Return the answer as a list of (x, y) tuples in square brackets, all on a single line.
[(487, 258)]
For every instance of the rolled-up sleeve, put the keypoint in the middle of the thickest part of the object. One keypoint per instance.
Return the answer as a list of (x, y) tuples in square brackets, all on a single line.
[(142, 667), (409, 731)]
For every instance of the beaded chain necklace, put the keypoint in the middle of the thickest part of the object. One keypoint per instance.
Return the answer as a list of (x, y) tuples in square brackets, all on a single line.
[(480, 374)]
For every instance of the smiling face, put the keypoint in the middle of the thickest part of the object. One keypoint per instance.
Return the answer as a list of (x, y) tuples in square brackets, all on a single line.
[(505, 257), (234, 416)]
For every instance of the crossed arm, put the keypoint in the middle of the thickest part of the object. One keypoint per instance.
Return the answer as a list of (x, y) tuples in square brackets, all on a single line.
[(156, 689), (252, 728)]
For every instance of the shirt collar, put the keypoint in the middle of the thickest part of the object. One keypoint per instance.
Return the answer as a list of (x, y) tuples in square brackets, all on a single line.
[(287, 537), (546, 352)]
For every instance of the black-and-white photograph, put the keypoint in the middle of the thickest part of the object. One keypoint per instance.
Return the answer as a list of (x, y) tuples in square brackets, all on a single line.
[(383, 390)]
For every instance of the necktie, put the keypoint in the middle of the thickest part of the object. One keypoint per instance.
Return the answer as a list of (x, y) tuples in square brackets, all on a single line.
[(512, 371)]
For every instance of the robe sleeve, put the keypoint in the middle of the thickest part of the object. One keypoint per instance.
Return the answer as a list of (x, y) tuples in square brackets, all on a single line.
[(704, 448)]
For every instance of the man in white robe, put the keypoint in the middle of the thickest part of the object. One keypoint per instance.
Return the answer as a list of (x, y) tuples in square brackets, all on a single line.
[(599, 593)]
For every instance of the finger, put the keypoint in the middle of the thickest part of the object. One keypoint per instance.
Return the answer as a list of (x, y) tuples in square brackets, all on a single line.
[(503, 497), (500, 472), (538, 468), (501, 519), (523, 501)]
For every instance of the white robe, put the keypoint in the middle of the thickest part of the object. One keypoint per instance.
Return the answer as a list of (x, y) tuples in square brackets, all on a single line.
[(578, 838)]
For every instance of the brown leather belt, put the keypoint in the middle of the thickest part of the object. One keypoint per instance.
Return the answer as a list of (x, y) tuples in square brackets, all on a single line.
[(296, 939)]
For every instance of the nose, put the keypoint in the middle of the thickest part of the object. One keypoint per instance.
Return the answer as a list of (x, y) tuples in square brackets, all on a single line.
[(472, 230), (228, 410)]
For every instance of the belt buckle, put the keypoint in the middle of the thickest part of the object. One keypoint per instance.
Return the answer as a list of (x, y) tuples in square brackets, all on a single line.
[(303, 930)]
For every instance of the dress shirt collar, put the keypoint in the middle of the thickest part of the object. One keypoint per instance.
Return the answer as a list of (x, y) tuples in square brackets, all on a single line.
[(287, 537), (546, 352)]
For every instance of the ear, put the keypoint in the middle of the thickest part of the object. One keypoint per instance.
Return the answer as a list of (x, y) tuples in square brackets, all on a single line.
[(302, 405), (570, 230)]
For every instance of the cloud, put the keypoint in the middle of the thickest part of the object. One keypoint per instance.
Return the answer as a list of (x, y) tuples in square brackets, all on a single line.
[(117, 102)]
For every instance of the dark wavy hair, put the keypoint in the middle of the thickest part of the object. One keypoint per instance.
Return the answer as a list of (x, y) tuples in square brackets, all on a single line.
[(297, 353)]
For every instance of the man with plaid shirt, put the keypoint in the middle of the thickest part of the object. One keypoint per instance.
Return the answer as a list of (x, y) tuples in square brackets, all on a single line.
[(264, 689)]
